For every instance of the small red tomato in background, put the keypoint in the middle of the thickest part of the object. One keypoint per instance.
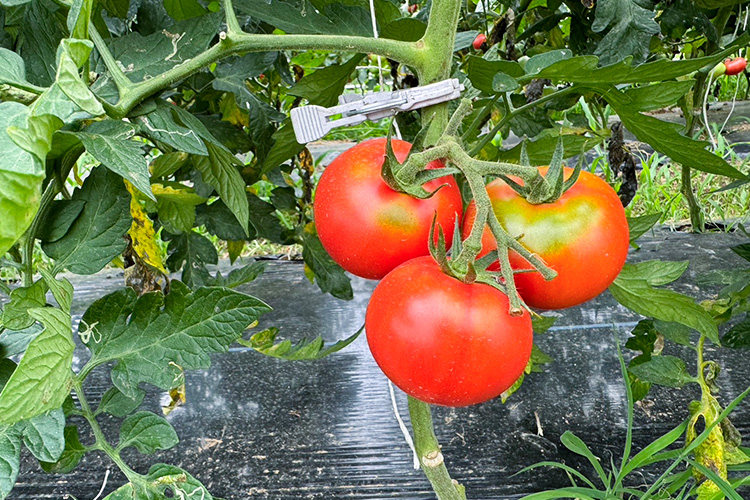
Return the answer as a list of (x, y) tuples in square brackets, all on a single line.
[(413, 8), (479, 41), (583, 236), (443, 341), (367, 227), (735, 66)]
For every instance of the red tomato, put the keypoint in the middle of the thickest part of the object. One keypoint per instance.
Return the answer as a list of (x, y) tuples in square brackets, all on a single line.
[(735, 66), (479, 41), (413, 8), (367, 227), (583, 236), (443, 341)]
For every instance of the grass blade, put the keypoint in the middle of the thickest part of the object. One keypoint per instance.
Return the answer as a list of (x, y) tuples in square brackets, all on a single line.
[(576, 445)]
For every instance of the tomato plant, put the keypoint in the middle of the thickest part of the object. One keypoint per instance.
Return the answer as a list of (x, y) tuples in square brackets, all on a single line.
[(367, 227), (583, 236), (443, 341)]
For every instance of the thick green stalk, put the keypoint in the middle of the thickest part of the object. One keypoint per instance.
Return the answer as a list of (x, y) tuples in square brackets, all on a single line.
[(30, 239), (428, 451), (101, 440), (436, 60), (235, 43)]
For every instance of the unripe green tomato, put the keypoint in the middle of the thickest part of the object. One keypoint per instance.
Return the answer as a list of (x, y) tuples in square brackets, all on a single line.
[(719, 70)]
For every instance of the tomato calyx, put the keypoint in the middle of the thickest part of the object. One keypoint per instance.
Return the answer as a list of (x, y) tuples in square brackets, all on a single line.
[(545, 188), (475, 271), (410, 184)]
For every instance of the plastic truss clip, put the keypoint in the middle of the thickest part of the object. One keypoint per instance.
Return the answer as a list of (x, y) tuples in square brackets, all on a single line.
[(313, 122)]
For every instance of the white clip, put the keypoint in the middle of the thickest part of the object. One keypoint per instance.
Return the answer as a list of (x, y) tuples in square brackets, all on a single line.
[(313, 122)]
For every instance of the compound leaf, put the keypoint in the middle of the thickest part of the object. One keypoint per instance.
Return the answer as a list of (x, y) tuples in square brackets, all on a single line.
[(154, 337)]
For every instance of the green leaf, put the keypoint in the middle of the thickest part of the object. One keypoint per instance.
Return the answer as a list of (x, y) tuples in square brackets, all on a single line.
[(324, 86), (176, 204), (42, 380), (36, 137), (668, 371), (116, 8), (328, 275), (162, 477), (406, 29), (541, 324), (145, 57), (147, 433), (542, 148), (503, 83), (10, 453), (240, 276), (44, 435), (220, 170), (12, 69), (661, 95), (21, 176), (537, 63), (220, 222), (15, 313), (188, 251), (168, 164), (285, 147), (61, 290), (664, 305), (122, 156), (654, 272), (71, 456), (42, 29), (675, 332), (632, 24), (263, 342), (160, 125), (72, 86), (96, 236), (302, 17), (743, 250), (576, 445), (641, 225), (482, 72), (153, 338), (179, 10), (13, 342), (118, 404), (585, 69), (464, 39), (676, 19), (738, 337), (78, 18)]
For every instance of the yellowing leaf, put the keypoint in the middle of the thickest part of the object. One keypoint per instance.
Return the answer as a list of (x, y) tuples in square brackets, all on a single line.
[(142, 232)]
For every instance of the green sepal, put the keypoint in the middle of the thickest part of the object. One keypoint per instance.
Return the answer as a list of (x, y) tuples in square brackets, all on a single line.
[(438, 250), (390, 165)]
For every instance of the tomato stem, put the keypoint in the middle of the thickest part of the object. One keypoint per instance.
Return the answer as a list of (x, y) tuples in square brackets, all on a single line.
[(428, 451)]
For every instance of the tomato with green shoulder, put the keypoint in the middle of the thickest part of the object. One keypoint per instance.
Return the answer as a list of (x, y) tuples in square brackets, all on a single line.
[(583, 236)]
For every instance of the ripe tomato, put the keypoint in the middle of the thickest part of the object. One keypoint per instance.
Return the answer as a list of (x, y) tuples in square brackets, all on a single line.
[(583, 236), (413, 8), (443, 341), (735, 66), (479, 41), (367, 227)]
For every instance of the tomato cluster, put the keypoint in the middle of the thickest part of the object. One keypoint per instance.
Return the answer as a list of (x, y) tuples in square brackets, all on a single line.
[(437, 338)]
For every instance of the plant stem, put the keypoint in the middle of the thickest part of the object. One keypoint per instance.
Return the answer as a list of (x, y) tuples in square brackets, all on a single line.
[(436, 60), (101, 440), (428, 451), (696, 212), (515, 112), (234, 43), (28, 245)]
